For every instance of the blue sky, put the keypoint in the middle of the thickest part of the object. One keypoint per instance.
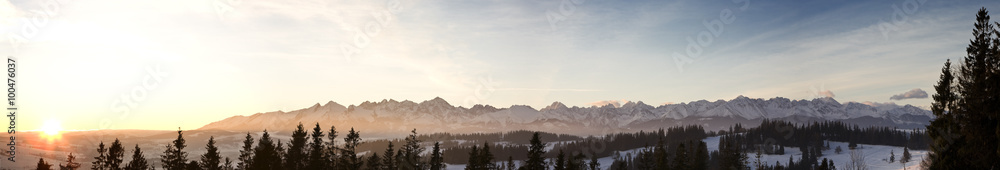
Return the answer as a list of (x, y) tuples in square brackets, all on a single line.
[(212, 59)]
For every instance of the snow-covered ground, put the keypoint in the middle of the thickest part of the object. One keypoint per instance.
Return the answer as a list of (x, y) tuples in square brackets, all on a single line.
[(874, 155)]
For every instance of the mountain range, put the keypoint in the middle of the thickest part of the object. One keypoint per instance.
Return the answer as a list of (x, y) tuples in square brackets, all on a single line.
[(391, 117)]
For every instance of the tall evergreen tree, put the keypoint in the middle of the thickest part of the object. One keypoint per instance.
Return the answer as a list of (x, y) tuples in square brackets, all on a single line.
[(966, 136), (473, 163), (594, 164), (246, 154), (100, 161), (115, 154), (138, 161), (228, 164), (295, 156), (374, 162), (437, 160), (560, 163), (701, 157), (266, 155), (411, 153), (486, 157), (42, 165), (174, 157), (389, 160), (348, 155), (510, 163), (332, 148), (681, 158), (211, 160), (317, 158), (535, 151)]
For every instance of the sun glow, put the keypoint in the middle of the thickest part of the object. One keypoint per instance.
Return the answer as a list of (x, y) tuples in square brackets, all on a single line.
[(51, 128)]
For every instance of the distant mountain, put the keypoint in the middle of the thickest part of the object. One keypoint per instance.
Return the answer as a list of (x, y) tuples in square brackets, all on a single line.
[(391, 117)]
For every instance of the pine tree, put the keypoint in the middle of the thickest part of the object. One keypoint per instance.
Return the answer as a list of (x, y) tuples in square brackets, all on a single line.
[(192, 165), (266, 155), (486, 157), (411, 153), (174, 157), (295, 155), (348, 157), (374, 162), (138, 161), (535, 151), (42, 165), (389, 160), (701, 157), (473, 163), (101, 159), (560, 161), (965, 134), (332, 148), (906, 155), (437, 160), (892, 156), (228, 165), (317, 158), (681, 158), (211, 159), (246, 154), (115, 154), (71, 163)]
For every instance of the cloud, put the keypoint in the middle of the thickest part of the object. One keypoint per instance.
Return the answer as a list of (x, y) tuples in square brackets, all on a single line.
[(912, 94), (616, 103), (825, 93), (877, 104)]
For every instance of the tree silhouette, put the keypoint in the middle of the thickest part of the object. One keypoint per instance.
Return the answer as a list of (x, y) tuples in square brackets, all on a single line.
[(437, 160), (211, 159), (174, 157), (266, 155), (246, 154), (374, 162), (100, 160), (138, 161), (71, 163), (332, 149), (295, 155), (348, 157), (389, 160), (411, 153), (115, 154), (42, 165), (535, 151), (317, 158)]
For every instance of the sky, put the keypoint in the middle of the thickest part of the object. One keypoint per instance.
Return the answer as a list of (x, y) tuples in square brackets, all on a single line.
[(152, 64)]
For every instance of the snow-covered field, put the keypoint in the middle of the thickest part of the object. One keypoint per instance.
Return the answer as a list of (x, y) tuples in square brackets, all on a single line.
[(874, 155)]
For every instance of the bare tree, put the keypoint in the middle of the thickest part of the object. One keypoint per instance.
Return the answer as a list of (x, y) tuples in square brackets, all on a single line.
[(857, 161)]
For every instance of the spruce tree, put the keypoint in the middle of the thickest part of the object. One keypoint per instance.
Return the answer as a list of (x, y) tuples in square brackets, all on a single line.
[(560, 163), (71, 163), (295, 156), (411, 153), (246, 154), (174, 157), (332, 148), (681, 158), (348, 155), (266, 155), (211, 159), (473, 163), (138, 161), (892, 156), (42, 165), (317, 158), (594, 164), (115, 154), (701, 157), (389, 160), (486, 157), (437, 160), (374, 162), (100, 161), (535, 151), (510, 163)]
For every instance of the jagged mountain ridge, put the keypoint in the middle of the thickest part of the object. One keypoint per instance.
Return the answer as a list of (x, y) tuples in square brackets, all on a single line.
[(437, 115)]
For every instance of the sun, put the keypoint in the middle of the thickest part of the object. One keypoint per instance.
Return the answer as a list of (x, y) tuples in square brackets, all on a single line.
[(52, 127)]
